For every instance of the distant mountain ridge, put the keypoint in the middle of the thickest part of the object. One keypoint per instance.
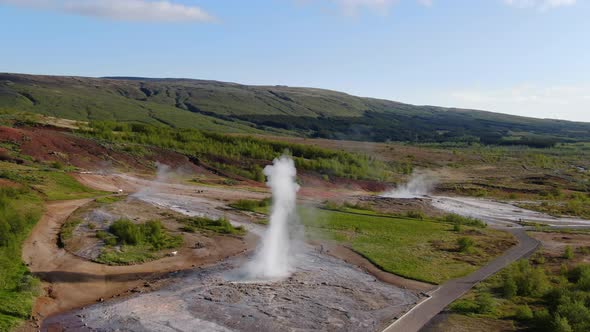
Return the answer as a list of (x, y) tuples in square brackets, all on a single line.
[(233, 107)]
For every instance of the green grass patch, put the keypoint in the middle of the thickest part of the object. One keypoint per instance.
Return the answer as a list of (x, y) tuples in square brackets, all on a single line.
[(57, 186), (220, 226), (53, 184), (417, 249), (110, 199), (250, 205), (126, 255), (19, 211), (130, 243)]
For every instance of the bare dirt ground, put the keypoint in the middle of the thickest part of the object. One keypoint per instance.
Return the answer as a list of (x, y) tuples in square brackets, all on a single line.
[(554, 244), (71, 282), (458, 323)]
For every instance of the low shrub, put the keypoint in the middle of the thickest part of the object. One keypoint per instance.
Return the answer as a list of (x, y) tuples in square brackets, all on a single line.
[(568, 253), (416, 215), (465, 244), (219, 225), (151, 233), (524, 313), (467, 221)]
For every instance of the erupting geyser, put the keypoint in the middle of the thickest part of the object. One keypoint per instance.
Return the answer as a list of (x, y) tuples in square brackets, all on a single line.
[(274, 257)]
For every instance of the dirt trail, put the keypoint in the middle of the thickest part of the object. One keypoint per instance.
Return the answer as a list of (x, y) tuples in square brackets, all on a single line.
[(71, 282)]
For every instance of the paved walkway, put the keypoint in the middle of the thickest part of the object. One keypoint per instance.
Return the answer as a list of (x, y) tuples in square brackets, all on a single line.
[(420, 315)]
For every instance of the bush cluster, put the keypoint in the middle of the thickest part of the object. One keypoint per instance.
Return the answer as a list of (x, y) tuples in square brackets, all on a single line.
[(224, 151), (151, 233), (250, 205), (219, 225), (456, 219)]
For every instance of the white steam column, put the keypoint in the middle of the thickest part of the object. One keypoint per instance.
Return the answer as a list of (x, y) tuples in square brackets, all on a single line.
[(272, 260)]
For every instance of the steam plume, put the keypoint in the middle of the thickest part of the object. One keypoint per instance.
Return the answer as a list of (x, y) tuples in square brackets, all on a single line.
[(419, 185), (274, 257)]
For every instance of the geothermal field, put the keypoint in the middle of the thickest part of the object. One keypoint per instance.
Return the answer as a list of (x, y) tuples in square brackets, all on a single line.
[(278, 280), (284, 284), (298, 239)]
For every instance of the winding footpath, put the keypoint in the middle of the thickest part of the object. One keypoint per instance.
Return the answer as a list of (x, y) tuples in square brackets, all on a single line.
[(421, 314), (499, 215)]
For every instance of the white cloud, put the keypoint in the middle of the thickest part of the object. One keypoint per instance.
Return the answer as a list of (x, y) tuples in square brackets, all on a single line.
[(557, 102), (540, 4), (352, 7), (123, 10)]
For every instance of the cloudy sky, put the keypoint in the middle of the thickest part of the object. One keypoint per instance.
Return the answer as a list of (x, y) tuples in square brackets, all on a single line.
[(525, 57)]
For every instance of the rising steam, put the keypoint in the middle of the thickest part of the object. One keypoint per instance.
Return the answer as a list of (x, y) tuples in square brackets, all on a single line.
[(162, 176), (419, 185), (274, 258)]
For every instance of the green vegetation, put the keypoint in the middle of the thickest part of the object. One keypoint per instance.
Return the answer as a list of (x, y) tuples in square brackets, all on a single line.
[(109, 199), (465, 244), (19, 211), (228, 107), (575, 204), (67, 231), (568, 252), (535, 296), (366, 209), (227, 152), (418, 249), (456, 219), (151, 233), (22, 193), (220, 225), (251, 205), (137, 242), (54, 185)]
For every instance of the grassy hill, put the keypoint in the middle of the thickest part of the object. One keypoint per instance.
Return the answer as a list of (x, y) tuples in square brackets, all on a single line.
[(230, 107)]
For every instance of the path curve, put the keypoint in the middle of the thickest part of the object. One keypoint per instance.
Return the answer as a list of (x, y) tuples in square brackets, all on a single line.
[(498, 215), (415, 319), (71, 282)]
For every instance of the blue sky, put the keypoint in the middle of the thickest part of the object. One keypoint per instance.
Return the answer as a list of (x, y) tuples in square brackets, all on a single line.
[(526, 57)]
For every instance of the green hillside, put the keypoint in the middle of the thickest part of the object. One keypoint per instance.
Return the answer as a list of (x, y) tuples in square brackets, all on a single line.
[(230, 107)]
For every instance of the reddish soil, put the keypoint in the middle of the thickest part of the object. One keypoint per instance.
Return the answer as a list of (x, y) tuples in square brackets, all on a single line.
[(8, 183), (54, 145)]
